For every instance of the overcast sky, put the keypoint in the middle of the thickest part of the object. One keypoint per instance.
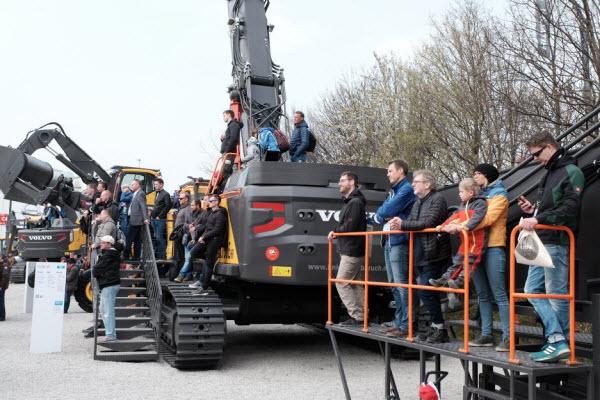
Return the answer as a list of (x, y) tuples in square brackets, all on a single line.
[(147, 80)]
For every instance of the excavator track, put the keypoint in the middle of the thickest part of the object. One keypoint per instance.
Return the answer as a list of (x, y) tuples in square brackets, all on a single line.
[(194, 334)]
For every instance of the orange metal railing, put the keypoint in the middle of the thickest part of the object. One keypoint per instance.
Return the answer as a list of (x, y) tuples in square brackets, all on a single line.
[(217, 174), (366, 283), (570, 296)]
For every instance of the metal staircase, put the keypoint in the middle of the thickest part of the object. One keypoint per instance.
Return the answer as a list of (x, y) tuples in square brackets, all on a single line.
[(137, 311)]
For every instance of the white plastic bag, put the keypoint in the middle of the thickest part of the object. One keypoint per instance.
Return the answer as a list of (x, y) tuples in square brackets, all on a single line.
[(531, 251)]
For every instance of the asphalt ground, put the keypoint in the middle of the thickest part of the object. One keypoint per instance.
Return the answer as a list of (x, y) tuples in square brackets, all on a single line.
[(260, 362)]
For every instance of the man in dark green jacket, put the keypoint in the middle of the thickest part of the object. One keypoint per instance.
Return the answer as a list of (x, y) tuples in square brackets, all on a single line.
[(559, 199)]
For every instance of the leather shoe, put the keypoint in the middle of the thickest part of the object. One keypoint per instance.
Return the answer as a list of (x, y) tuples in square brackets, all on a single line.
[(388, 329), (398, 333)]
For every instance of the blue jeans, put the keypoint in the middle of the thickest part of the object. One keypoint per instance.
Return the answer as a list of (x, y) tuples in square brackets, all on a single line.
[(123, 223), (554, 313), (489, 279), (2, 309), (430, 298), (159, 233), (107, 309), (396, 264), (187, 265), (298, 157), (67, 301)]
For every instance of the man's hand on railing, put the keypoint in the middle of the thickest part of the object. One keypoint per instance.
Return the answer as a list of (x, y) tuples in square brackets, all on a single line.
[(528, 223), (396, 224), (330, 236)]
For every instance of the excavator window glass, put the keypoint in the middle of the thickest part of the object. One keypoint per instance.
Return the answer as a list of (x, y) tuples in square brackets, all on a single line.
[(146, 181)]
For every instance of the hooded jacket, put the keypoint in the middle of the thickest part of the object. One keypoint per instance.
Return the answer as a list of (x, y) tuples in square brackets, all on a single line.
[(300, 138), (252, 150), (216, 225), (470, 214), (398, 204), (232, 136), (559, 197), (107, 268), (429, 212), (72, 279), (352, 219), (497, 212)]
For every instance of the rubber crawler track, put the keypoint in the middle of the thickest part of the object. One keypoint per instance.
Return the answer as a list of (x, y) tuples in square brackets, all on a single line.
[(198, 334)]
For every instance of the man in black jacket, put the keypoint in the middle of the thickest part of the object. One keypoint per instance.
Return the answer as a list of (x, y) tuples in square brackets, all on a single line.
[(162, 205), (211, 241), (559, 200), (231, 138), (431, 250), (105, 202), (351, 248), (106, 271), (4, 282)]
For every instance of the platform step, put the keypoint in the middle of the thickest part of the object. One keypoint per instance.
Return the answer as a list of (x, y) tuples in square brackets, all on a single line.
[(130, 322), (126, 291), (128, 311), (128, 272), (126, 301), (129, 333), (126, 282), (128, 345), (127, 356)]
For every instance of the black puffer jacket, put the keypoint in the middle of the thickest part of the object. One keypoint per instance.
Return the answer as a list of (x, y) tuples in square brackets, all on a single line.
[(106, 270), (216, 225), (434, 211), (352, 219)]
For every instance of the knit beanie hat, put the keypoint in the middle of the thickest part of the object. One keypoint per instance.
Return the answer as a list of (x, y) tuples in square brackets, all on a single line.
[(489, 171)]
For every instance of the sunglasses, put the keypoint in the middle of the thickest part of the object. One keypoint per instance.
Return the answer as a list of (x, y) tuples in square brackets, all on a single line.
[(537, 153), (210, 201)]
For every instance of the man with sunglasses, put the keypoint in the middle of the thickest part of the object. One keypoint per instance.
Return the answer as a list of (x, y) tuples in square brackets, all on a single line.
[(558, 202), (209, 244)]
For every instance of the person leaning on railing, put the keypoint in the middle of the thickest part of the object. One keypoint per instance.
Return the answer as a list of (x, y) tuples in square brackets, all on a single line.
[(559, 200), (431, 250)]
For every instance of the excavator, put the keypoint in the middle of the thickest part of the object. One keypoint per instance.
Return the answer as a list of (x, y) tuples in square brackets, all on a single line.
[(29, 180), (274, 266)]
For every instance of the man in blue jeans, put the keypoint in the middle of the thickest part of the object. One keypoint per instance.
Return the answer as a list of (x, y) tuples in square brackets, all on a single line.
[(107, 273), (559, 199), (398, 204), (162, 205), (431, 251)]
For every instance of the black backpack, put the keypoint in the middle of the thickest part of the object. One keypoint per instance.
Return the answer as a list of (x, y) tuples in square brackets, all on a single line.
[(312, 142)]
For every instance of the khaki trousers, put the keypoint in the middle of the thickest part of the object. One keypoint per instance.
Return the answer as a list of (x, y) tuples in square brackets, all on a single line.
[(353, 296)]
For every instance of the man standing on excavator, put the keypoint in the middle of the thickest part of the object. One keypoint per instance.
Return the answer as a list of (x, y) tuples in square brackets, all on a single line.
[(300, 138), (231, 138)]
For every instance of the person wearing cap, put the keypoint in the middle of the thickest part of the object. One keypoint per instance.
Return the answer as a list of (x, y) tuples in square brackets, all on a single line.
[(106, 272), (72, 281)]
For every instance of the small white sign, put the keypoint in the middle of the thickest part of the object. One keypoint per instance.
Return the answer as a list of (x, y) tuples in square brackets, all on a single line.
[(48, 307), (28, 301)]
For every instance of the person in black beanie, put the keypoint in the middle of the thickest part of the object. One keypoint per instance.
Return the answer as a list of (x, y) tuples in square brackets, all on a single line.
[(489, 171)]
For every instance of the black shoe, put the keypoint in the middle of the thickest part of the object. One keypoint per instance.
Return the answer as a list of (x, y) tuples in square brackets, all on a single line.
[(439, 336), (352, 322), (2, 318), (423, 336), (482, 341)]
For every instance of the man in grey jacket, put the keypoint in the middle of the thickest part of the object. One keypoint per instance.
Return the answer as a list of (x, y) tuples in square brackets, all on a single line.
[(105, 226), (138, 216)]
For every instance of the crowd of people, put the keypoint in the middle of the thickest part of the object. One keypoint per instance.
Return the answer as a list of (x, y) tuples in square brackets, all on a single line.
[(482, 214)]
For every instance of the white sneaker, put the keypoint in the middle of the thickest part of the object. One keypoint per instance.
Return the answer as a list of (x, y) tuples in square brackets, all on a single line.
[(195, 285)]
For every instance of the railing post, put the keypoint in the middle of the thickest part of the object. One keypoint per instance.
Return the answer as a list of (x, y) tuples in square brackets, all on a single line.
[(572, 297), (411, 242), (466, 246), (366, 305), (511, 253), (329, 321)]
